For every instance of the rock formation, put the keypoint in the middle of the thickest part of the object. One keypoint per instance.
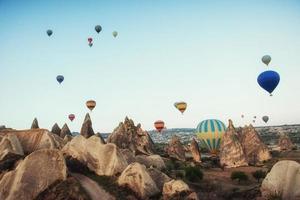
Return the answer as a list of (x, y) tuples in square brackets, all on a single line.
[(86, 128), (158, 177), (55, 129), (103, 159), (175, 149), (35, 124), (129, 136), (10, 145), (67, 138), (136, 177), (151, 161), (231, 150), (2, 127), (35, 139), (65, 131), (33, 175), (284, 180), (285, 142), (254, 149), (174, 187), (194, 148)]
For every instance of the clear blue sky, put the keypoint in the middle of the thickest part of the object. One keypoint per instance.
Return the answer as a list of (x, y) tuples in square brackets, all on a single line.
[(206, 53)]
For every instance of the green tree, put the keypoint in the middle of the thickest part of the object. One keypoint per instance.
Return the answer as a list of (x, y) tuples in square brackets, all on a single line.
[(193, 174), (259, 174), (239, 175)]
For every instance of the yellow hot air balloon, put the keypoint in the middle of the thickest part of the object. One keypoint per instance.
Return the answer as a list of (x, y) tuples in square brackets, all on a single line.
[(91, 104), (181, 106), (210, 133)]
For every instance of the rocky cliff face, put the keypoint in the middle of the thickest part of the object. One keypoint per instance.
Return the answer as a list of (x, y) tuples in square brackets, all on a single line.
[(175, 149), (35, 139), (129, 136), (86, 128), (33, 175), (231, 150), (65, 131), (285, 143), (284, 180), (194, 148), (56, 129), (254, 149)]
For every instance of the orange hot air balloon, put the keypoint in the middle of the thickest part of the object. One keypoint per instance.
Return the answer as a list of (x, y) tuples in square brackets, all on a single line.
[(159, 125), (91, 104), (181, 106)]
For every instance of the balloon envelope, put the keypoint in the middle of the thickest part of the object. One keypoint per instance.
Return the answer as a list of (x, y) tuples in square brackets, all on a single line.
[(266, 59), (268, 80), (91, 104), (71, 117), (49, 32), (159, 125), (115, 33), (98, 28), (210, 133), (90, 40), (181, 106), (265, 119), (60, 79)]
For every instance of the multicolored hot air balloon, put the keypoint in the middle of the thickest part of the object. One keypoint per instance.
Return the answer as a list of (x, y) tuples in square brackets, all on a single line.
[(268, 80), (71, 117), (265, 118), (266, 59), (115, 33), (49, 32), (210, 132), (90, 40), (159, 125), (60, 79), (181, 106), (91, 104), (98, 28)]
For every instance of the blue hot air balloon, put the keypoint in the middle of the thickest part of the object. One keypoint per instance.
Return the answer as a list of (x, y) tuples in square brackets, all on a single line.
[(60, 79), (268, 80)]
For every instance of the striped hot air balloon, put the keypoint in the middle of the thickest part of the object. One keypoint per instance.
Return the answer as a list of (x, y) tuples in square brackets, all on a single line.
[(159, 125), (91, 104), (210, 133), (181, 106)]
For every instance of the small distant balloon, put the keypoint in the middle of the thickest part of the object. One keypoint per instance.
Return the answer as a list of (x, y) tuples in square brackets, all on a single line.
[(253, 121), (49, 32), (159, 125), (266, 59), (242, 116), (91, 104), (90, 44), (115, 33), (71, 117), (98, 28), (181, 106), (254, 117), (90, 40), (268, 80), (60, 79), (265, 119)]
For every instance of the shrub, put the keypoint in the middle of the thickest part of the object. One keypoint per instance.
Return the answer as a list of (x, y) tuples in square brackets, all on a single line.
[(179, 174), (193, 174), (239, 175), (259, 174)]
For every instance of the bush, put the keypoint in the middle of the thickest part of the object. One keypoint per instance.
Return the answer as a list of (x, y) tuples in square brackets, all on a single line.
[(239, 175), (193, 174), (259, 174), (179, 174)]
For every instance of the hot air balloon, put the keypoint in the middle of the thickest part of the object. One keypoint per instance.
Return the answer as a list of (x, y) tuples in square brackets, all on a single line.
[(71, 117), (210, 132), (181, 106), (98, 28), (159, 125), (268, 80), (90, 44), (265, 119), (242, 116), (253, 121), (115, 33), (266, 59), (254, 117), (49, 32), (60, 79), (91, 104)]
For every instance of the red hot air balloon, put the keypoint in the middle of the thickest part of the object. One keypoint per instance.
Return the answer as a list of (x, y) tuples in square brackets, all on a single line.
[(71, 117), (159, 125), (90, 40)]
